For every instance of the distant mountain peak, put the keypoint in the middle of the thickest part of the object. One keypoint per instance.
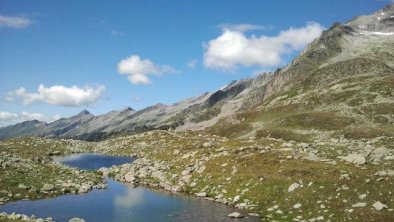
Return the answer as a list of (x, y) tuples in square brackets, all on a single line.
[(127, 108), (84, 112)]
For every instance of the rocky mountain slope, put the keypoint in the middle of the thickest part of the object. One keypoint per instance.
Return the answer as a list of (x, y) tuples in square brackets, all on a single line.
[(345, 74)]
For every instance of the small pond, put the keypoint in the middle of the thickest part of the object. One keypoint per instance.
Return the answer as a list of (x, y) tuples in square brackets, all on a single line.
[(121, 202)]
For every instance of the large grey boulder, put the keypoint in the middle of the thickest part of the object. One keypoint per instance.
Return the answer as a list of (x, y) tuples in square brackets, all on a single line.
[(48, 187), (355, 158)]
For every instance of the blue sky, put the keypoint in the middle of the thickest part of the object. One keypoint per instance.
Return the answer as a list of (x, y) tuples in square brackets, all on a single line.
[(105, 55)]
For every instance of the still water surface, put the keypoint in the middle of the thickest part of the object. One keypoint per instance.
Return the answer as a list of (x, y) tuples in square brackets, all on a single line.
[(121, 202)]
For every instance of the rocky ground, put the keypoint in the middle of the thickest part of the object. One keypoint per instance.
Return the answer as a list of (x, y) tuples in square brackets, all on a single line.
[(325, 180), (27, 170)]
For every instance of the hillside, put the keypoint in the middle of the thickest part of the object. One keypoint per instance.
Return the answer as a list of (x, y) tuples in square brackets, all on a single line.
[(346, 74)]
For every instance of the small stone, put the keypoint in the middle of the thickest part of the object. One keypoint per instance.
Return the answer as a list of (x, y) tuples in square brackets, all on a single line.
[(297, 205), (201, 194), (207, 144), (76, 219), (362, 196), (201, 169), (361, 204), (293, 186), (235, 215), (254, 214), (379, 206)]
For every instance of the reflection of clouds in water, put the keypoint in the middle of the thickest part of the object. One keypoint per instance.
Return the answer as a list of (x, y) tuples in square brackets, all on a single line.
[(67, 158), (133, 197)]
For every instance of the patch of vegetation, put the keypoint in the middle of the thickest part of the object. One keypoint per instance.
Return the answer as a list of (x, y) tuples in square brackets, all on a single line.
[(282, 133), (316, 120), (367, 132)]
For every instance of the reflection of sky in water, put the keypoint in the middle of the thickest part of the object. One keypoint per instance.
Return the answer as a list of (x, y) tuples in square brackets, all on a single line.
[(92, 161), (123, 203), (130, 199), (72, 157)]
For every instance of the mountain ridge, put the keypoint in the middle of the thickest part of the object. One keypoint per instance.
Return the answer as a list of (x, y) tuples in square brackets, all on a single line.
[(359, 48)]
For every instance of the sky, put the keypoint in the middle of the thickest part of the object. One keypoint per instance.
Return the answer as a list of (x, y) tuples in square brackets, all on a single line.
[(60, 57)]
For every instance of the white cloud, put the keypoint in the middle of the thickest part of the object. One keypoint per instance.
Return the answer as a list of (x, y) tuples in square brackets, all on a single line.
[(192, 63), (117, 33), (137, 69), (14, 22), (59, 95), (233, 48), (139, 79), (242, 27), (7, 118)]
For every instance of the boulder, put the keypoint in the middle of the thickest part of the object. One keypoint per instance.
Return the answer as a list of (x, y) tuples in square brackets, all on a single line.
[(235, 215), (48, 187), (201, 194), (355, 158), (129, 177), (201, 169), (207, 144)]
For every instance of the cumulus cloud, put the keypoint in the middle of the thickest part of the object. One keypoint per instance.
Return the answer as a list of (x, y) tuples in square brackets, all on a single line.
[(137, 70), (7, 118), (59, 95), (14, 22), (234, 48)]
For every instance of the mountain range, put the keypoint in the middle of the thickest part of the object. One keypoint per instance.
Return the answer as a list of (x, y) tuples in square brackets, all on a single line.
[(341, 83)]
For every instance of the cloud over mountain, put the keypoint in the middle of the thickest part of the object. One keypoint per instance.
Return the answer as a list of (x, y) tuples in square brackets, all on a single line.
[(234, 48), (137, 69), (59, 95), (7, 118)]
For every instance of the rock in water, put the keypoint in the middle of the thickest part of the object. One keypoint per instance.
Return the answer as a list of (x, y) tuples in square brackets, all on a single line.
[(76, 219), (235, 215), (201, 194)]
